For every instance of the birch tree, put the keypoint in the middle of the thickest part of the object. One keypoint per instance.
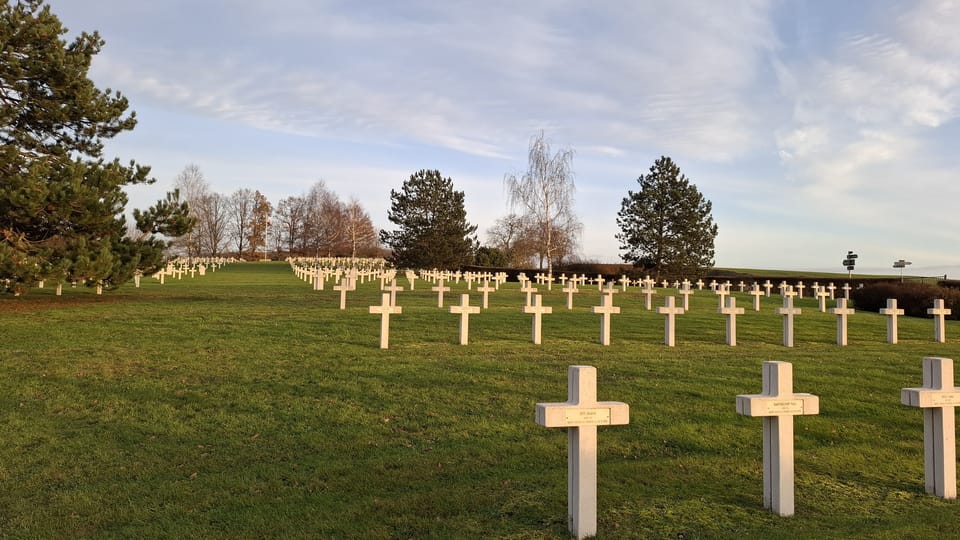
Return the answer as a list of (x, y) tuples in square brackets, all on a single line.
[(543, 196)]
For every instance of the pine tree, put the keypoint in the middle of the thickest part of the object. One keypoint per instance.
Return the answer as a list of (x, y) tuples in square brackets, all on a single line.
[(433, 230), (667, 226), (61, 204)]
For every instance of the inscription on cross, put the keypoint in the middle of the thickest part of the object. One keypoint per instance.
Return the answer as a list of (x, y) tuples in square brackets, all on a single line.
[(580, 415)]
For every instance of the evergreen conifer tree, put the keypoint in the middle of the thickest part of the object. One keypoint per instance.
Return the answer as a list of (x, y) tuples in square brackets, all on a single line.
[(433, 230), (666, 227), (61, 203)]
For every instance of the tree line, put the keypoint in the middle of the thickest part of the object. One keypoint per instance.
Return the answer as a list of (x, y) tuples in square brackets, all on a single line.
[(666, 227), (316, 223), (62, 204)]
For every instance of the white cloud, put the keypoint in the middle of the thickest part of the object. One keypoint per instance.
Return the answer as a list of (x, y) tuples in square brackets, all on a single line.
[(475, 78)]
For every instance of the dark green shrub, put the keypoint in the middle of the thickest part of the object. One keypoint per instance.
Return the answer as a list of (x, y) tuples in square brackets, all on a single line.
[(913, 298)]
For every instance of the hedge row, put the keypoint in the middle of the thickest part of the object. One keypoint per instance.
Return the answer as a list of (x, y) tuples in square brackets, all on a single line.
[(913, 298)]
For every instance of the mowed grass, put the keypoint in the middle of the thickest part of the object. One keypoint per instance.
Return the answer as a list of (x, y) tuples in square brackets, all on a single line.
[(246, 405)]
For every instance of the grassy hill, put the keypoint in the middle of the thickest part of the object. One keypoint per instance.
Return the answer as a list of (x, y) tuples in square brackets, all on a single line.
[(244, 404)]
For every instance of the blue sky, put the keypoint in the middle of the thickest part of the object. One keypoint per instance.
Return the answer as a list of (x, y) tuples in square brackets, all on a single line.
[(813, 127)]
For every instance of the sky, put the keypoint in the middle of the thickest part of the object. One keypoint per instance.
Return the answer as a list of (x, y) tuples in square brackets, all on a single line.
[(814, 127)]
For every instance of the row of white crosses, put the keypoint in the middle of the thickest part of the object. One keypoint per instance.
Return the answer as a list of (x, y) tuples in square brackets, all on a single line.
[(670, 311), (776, 405)]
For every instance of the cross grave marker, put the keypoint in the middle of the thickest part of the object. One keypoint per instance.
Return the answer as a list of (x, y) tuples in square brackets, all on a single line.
[(537, 309), (385, 309), (580, 415), (891, 312), (939, 320), (938, 398), (606, 309), (464, 310), (777, 404), (670, 311)]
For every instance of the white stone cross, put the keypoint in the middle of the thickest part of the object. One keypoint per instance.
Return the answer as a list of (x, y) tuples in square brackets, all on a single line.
[(891, 312), (730, 310), (938, 398), (570, 290), (669, 326), (606, 309), (549, 279), (440, 289), (385, 309), (538, 310), (778, 404), (788, 311), (685, 292), (842, 311), (846, 290), (800, 287), (742, 286), (609, 289), (822, 295), (319, 280), (529, 289), (624, 281), (343, 287), (756, 293), (721, 293), (465, 310), (411, 278), (648, 293), (393, 290), (939, 320), (767, 287), (581, 414), (600, 281), (699, 284), (832, 288), (713, 285), (486, 290)]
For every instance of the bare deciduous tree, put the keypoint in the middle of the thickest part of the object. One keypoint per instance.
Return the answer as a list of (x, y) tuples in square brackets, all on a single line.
[(288, 224), (213, 222), (193, 188), (259, 223), (510, 234), (324, 226), (544, 194), (241, 214), (358, 228)]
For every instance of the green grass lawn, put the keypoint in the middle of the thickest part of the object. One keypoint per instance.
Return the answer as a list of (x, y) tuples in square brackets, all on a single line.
[(246, 405)]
